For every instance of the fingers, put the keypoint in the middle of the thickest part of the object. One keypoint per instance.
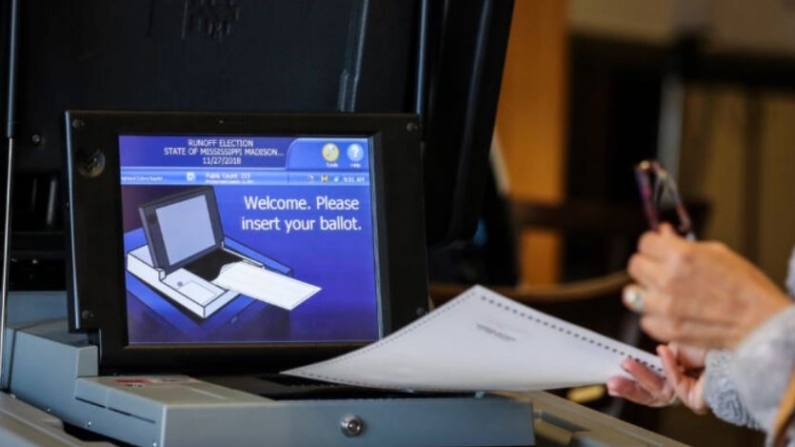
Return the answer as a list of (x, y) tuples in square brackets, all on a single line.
[(660, 257), (647, 388), (684, 386), (688, 305), (697, 293), (667, 230), (689, 357), (673, 373), (645, 301), (671, 369), (630, 390), (678, 320), (647, 378), (657, 244), (646, 270), (688, 332), (668, 320)]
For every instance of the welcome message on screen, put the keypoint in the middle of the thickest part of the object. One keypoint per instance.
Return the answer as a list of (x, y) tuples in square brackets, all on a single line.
[(322, 222)]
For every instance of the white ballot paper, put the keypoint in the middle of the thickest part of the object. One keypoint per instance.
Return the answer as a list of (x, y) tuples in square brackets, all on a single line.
[(482, 341), (265, 285)]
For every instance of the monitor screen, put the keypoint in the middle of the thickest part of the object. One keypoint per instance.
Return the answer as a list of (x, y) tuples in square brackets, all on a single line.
[(186, 228), (206, 241), (248, 239)]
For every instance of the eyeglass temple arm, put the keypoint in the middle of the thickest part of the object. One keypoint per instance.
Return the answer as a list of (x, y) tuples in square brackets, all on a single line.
[(646, 197)]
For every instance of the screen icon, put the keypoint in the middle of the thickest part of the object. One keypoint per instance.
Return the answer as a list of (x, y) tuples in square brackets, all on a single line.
[(355, 152), (331, 152)]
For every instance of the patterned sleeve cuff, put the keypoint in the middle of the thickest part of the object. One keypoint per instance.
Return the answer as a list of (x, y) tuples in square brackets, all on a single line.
[(721, 394), (763, 364)]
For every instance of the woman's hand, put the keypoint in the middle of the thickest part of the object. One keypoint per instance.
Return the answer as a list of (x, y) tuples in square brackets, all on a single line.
[(698, 293), (683, 368)]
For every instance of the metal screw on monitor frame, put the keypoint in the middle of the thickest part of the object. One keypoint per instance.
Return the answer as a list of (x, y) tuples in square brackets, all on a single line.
[(351, 426), (90, 163)]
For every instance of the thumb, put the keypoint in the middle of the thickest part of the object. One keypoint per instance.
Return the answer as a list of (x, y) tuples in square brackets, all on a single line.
[(667, 230)]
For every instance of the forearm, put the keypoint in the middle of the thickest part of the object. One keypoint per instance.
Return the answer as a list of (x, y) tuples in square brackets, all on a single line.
[(762, 367)]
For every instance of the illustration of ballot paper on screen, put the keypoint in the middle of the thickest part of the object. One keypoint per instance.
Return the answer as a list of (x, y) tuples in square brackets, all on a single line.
[(188, 259)]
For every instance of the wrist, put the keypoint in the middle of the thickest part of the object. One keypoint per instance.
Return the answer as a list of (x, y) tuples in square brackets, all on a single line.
[(759, 313)]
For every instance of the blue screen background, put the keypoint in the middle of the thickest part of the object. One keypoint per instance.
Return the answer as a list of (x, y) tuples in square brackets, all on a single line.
[(342, 263)]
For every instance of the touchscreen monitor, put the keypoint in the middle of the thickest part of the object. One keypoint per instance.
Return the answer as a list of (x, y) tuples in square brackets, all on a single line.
[(208, 240), (224, 233)]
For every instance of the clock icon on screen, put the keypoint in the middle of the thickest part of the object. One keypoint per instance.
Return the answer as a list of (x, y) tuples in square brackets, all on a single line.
[(355, 152), (331, 152)]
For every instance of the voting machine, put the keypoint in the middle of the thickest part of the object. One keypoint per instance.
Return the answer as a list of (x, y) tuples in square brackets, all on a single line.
[(209, 252)]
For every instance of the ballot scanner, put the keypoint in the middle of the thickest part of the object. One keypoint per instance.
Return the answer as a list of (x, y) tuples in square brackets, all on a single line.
[(209, 252), (57, 400)]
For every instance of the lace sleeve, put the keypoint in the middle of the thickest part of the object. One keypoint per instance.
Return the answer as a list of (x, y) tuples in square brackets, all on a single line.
[(763, 364), (721, 394)]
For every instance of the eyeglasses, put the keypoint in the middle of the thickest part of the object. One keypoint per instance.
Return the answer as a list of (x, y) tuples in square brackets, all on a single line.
[(661, 201)]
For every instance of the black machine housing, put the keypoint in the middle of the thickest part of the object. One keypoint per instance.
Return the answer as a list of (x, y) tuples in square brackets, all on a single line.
[(94, 225)]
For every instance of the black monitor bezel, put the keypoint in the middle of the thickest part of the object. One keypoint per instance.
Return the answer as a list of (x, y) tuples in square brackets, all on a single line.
[(96, 286)]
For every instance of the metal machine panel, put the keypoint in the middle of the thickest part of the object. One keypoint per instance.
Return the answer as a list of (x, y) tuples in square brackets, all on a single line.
[(22, 425), (57, 371)]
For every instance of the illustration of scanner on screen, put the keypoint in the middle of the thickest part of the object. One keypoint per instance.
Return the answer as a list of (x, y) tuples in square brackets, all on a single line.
[(189, 260)]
